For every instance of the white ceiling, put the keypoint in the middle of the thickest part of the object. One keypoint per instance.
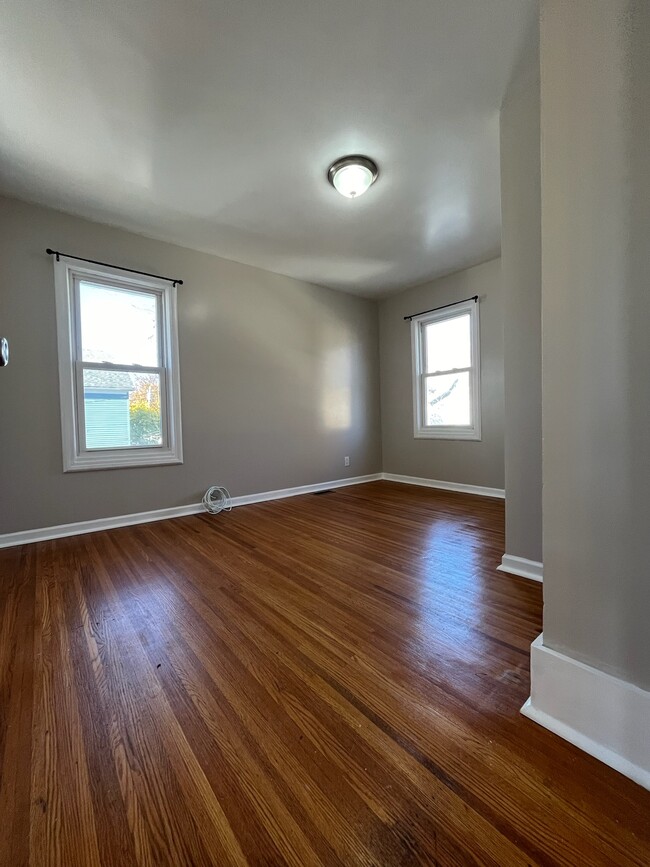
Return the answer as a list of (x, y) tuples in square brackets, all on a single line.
[(211, 123)]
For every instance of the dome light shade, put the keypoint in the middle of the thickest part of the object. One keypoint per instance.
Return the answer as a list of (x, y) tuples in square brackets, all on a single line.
[(351, 176)]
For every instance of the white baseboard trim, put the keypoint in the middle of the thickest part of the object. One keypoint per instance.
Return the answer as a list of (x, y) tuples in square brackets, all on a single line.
[(24, 537), (477, 490), (601, 714), (520, 566), (248, 499)]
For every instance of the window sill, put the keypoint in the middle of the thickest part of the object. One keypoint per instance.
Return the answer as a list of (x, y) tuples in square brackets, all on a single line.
[(468, 436), (115, 462)]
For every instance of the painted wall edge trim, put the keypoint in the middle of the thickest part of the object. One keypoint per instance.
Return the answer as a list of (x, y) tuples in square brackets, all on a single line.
[(24, 537), (532, 569), (600, 714), (477, 490)]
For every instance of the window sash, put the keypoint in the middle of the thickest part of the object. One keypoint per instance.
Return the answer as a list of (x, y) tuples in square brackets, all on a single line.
[(425, 323), (79, 367), (424, 375), (77, 279), (423, 395)]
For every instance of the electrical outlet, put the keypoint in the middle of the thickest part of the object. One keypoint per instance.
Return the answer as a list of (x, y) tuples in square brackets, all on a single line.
[(346, 461)]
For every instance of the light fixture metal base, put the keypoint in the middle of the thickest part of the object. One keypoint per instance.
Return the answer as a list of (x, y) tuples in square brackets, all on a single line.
[(353, 160)]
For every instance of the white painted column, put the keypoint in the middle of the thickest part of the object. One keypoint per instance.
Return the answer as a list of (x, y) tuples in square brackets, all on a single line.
[(591, 672)]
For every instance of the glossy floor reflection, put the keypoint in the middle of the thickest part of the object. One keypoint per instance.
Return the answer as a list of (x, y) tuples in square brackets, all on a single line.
[(328, 680)]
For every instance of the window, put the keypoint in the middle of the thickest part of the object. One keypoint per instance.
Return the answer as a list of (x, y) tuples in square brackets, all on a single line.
[(446, 373), (118, 368)]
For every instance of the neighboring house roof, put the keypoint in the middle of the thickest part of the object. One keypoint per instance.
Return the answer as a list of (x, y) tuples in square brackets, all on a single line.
[(105, 379)]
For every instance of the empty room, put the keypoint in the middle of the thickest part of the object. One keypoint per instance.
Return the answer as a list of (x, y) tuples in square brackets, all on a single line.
[(325, 433)]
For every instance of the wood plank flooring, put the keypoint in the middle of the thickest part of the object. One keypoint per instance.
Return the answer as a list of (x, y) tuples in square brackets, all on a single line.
[(330, 679)]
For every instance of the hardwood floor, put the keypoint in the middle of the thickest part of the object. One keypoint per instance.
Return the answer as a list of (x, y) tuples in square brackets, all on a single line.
[(330, 679)]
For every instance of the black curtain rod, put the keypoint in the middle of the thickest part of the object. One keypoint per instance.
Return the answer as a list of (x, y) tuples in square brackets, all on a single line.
[(58, 254), (473, 298)]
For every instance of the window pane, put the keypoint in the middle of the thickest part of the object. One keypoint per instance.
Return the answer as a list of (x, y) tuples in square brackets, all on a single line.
[(118, 325), (447, 399), (121, 409), (448, 344)]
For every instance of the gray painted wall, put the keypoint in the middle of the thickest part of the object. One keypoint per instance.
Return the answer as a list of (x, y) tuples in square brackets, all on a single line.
[(474, 463), (521, 270), (279, 378), (596, 326)]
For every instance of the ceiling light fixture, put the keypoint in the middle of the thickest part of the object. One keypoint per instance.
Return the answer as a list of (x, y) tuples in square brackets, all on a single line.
[(351, 176)]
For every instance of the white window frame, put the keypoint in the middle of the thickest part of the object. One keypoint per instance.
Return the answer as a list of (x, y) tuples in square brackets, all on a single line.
[(68, 273), (418, 350)]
